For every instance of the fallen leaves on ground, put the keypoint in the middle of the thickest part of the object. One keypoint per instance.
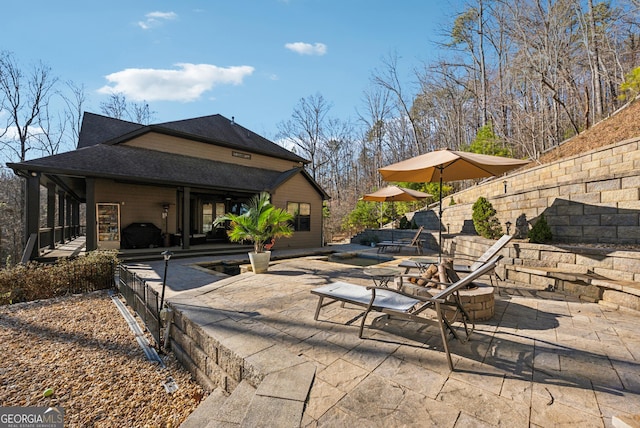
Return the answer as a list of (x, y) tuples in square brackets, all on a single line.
[(82, 348)]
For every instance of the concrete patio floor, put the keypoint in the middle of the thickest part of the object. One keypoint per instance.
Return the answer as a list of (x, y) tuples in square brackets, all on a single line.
[(544, 359)]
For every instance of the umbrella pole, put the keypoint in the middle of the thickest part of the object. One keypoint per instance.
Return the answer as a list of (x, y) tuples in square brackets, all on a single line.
[(440, 222), (393, 218)]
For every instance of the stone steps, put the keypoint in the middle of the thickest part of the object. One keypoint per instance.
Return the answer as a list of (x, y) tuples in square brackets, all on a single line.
[(588, 286), (277, 402)]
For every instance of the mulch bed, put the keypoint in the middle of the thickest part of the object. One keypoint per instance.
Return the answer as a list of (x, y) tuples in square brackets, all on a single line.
[(82, 349)]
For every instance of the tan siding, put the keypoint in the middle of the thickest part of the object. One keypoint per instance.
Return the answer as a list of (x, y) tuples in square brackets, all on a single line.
[(298, 189), (169, 144), (139, 203)]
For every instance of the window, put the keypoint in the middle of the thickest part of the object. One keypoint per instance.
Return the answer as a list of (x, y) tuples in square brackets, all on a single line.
[(301, 213), (207, 217)]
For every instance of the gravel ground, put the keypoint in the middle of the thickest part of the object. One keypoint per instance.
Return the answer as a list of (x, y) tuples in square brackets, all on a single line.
[(82, 348)]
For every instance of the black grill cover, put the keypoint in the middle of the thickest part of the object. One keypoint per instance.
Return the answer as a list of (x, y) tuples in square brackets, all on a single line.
[(141, 235)]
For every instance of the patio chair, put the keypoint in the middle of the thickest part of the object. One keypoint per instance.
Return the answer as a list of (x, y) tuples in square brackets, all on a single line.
[(416, 243), (396, 303)]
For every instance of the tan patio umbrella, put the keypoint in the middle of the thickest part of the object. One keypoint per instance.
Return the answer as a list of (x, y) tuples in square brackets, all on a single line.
[(395, 193), (449, 165)]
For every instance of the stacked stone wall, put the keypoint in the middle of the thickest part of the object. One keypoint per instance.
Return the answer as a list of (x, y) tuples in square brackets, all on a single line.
[(588, 198)]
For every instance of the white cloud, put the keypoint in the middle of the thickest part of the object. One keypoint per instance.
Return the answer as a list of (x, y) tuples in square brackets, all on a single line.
[(185, 84), (307, 48), (155, 19)]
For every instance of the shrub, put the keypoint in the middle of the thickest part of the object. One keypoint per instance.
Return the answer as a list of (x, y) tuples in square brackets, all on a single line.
[(369, 239), (540, 233), (32, 281), (484, 218)]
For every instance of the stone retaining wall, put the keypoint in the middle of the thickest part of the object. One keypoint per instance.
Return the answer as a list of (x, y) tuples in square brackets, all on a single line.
[(617, 272), (589, 198), (211, 364)]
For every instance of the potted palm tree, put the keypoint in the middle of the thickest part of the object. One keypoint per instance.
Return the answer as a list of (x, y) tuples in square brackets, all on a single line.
[(261, 223)]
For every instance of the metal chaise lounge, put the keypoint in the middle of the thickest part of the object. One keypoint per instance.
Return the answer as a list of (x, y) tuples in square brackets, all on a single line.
[(400, 304), (416, 243)]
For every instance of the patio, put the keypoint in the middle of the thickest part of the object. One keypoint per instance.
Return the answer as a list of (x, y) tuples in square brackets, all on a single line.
[(544, 359)]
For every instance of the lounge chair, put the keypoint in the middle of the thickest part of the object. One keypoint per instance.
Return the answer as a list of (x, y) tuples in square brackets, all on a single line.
[(416, 243), (399, 304)]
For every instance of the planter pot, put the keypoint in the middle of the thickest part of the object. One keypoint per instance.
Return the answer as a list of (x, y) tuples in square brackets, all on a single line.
[(260, 261)]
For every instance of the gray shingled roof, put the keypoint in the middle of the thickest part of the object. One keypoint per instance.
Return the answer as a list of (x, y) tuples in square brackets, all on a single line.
[(135, 164), (215, 129)]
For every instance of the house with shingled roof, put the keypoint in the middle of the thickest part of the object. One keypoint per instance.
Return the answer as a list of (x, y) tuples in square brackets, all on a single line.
[(164, 185)]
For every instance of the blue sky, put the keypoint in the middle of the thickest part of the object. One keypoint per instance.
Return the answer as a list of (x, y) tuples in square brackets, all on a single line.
[(250, 59)]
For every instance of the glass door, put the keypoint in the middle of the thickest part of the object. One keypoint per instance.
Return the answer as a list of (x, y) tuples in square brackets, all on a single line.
[(108, 225)]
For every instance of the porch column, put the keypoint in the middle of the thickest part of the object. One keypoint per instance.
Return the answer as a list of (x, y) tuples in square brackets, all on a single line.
[(75, 218), (62, 214), (32, 215), (92, 220), (51, 214), (69, 205), (186, 217)]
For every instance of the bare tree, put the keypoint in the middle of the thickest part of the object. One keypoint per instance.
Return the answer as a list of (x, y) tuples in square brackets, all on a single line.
[(306, 129), (74, 102), (24, 98), (118, 107), (377, 111), (389, 79)]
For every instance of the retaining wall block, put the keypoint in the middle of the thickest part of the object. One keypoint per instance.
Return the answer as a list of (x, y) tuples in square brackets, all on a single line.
[(541, 281), (230, 363), (573, 268), (555, 257), (621, 299), (588, 165), (622, 167), (592, 198), (626, 146), (613, 196), (602, 171), (204, 381), (567, 232), (528, 254), (585, 220), (613, 159), (623, 219), (181, 338), (198, 356), (210, 346), (602, 185), (632, 182), (217, 375), (599, 231), (178, 319), (615, 274), (521, 277), (602, 154), (629, 232)]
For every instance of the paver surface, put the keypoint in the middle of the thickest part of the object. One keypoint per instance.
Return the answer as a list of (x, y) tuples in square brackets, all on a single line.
[(544, 359)]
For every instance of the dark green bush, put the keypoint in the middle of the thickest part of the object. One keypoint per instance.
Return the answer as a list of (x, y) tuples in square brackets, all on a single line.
[(540, 233), (405, 223), (369, 239), (33, 281), (484, 218)]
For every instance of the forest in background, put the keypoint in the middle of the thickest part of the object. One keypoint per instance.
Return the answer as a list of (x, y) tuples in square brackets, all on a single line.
[(512, 78)]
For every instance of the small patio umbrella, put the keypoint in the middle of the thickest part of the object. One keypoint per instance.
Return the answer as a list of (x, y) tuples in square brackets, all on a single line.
[(395, 193), (449, 165)]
